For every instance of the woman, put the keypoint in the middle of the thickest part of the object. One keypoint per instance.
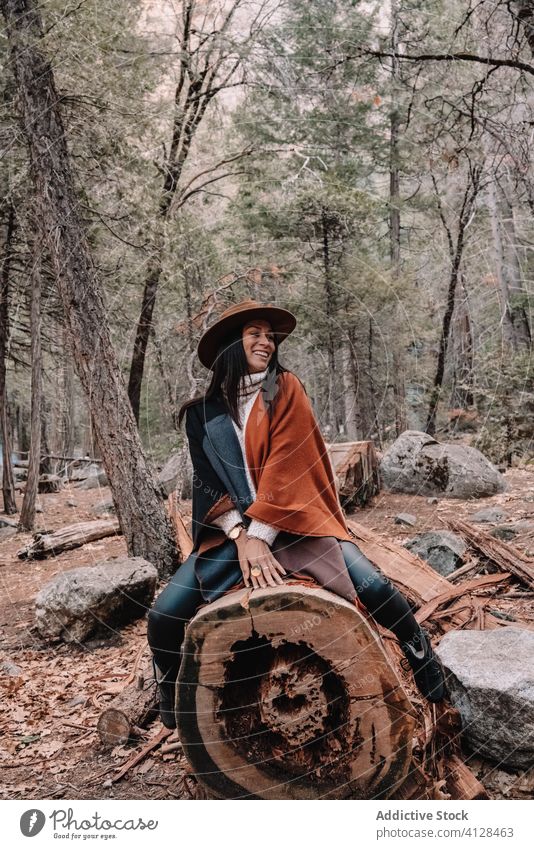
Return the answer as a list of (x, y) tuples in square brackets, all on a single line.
[(264, 499)]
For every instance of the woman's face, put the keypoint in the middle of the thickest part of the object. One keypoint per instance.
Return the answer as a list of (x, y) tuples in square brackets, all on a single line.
[(258, 342)]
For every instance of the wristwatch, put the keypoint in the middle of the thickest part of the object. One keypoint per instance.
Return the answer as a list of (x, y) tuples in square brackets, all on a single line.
[(236, 530)]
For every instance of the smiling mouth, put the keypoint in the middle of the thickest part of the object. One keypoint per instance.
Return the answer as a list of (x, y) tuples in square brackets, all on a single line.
[(261, 354)]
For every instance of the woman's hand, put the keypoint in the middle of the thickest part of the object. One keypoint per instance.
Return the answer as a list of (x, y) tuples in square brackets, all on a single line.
[(255, 552)]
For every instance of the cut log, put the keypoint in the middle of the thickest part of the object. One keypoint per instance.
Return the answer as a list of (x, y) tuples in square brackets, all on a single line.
[(131, 709), (288, 693), (356, 468), (66, 538), (504, 555)]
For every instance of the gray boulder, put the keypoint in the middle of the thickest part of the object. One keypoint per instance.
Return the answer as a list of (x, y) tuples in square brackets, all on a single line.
[(489, 514), (405, 519), (490, 678), (6, 532), (93, 481), (442, 550), (80, 602), (418, 464), (504, 532), (104, 507)]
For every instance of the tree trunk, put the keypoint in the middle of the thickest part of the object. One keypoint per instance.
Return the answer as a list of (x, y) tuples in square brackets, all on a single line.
[(291, 696), (143, 520), (500, 267), (27, 513), (399, 389), (456, 254), (330, 314), (462, 394), (68, 431), (352, 430), (8, 479), (519, 296)]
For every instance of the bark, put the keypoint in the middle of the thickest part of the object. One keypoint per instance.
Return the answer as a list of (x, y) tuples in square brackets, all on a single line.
[(330, 314), (462, 394), (506, 556), (350, 372), (68, 438), (143, 520), (8, 480), (398, 378), (202, 75), (511, 271), (27, 513), (456, 254), (307, 702)]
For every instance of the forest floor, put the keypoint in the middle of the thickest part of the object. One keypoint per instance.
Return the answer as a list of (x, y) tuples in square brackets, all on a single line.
[(52, 694)]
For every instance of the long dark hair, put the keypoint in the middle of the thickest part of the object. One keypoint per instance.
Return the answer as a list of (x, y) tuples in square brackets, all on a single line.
[(229, 367)]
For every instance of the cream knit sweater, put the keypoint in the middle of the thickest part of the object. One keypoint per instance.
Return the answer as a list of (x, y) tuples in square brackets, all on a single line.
[(248, 392)]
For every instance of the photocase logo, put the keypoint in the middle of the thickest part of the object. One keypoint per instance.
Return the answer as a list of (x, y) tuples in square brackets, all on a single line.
[(32, 822)]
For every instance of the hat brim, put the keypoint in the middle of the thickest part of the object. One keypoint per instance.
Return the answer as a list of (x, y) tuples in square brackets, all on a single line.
[(282, 322)]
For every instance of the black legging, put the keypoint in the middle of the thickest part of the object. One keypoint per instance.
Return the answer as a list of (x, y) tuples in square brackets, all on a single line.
[(176, 605)]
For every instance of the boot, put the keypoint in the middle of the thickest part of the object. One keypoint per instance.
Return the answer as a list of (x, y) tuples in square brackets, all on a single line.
[(427, 670), (166, 691)]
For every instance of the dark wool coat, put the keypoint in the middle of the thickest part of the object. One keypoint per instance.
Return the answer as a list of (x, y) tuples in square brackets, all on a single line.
[(295, 489)]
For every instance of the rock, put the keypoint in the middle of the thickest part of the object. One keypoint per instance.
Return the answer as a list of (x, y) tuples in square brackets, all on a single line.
[(10, 668), (442, 550), (7, 533), (93, 481), (80, 699), (38, 508), (504, 532), (490, 682), (170, 473), (6, 522), (87, 471), (524, 526), (102, 507), (406, 519), (80, 602), (71, 503), (418, 464), (489, 514), (432, 500)]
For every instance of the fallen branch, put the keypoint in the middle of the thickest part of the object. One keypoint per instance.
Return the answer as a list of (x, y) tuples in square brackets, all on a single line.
[(428, 609), (72, 536), (504, 555), (137, 758)]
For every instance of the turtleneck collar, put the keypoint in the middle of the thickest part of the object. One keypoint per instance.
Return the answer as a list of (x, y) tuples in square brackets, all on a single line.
[(249, 382)]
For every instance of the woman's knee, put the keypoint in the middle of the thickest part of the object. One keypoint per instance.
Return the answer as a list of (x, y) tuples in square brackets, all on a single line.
[(371, 585), (176, 603)]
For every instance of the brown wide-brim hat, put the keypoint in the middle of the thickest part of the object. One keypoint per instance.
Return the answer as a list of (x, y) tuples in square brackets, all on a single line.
[(282, 322)]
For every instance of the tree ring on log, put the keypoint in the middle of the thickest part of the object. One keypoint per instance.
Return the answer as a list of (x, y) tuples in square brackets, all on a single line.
[(292, 698)]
